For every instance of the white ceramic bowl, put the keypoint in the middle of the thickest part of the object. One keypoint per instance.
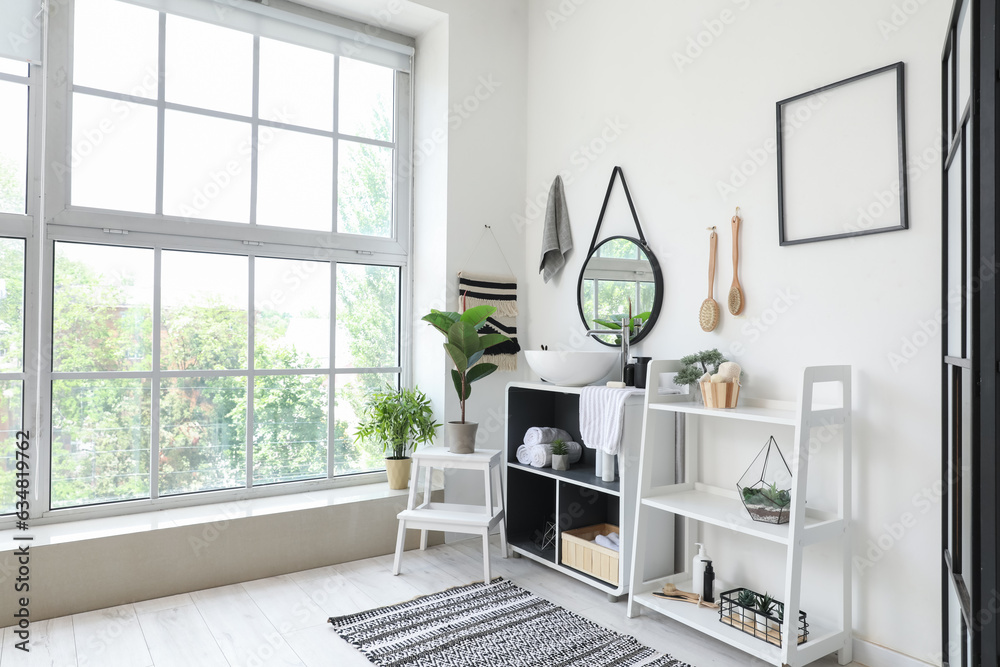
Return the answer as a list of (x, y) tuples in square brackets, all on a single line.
[(572, 368)]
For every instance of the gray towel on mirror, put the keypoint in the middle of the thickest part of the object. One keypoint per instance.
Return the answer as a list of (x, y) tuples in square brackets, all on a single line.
[(557, 240)]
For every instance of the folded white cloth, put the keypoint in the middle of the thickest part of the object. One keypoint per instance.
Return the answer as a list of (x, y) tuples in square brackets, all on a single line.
[(606, 542), (536, 435), (614, 538), (540, 456), (602, 417)]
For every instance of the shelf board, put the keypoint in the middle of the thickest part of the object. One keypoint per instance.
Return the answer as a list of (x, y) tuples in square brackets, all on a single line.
[(578, 475), (703, 619), (749, 412), (529, 548), (723, 511)]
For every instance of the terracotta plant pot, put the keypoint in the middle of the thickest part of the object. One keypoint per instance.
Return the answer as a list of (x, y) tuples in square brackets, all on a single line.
[(461, 437), (398, 471)]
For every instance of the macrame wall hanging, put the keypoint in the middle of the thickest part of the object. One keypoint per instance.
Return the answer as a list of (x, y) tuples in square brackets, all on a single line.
[(500, 292)]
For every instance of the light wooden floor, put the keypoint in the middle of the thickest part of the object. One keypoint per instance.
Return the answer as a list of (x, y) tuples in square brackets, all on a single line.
[(282, 620)]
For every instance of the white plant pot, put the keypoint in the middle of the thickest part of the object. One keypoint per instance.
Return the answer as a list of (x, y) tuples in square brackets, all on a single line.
[(560, 461)]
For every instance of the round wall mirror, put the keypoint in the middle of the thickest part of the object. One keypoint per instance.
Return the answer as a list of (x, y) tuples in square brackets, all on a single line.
[(619, 270)]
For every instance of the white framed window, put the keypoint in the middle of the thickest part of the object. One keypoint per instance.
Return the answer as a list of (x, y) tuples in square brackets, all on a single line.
[(226, 254)]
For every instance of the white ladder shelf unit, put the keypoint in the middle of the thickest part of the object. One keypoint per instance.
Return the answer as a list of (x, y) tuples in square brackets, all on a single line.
[(663, 498)]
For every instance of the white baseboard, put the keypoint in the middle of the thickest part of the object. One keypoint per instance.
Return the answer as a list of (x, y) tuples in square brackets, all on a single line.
[(873, 655)]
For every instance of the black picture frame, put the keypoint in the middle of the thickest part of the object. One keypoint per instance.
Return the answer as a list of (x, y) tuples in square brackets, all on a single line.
[(783, 235)]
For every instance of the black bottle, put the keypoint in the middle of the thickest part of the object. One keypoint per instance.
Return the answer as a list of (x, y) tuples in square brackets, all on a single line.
[(709, 588), (629, 375)]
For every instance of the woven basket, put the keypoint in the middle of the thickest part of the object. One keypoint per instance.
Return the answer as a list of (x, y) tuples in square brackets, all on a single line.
[(720, 394)]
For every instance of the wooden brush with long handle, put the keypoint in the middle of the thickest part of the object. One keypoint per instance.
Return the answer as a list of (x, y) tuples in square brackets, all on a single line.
[(709, 315), (736, 301)]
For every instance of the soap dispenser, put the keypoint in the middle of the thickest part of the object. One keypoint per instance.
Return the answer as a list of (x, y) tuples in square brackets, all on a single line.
[(708, 593), (698, 568)]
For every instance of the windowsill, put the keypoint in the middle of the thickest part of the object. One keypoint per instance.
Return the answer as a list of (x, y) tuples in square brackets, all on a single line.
[(89, 529)]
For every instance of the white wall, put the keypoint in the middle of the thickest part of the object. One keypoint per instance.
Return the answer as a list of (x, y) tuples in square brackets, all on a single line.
[(481, 138), (604, 89)]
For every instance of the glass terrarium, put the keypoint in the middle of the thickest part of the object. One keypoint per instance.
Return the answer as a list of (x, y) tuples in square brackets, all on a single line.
[(766, 487)]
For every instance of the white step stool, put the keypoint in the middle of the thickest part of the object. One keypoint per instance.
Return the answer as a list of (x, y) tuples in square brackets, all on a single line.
[(474, 519)]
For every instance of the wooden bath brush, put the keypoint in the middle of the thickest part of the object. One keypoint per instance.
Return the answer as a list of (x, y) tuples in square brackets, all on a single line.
[(709, 315), (736, 300)]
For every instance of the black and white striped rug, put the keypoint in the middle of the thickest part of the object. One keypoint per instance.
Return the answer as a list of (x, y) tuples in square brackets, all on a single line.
[(490, 624)]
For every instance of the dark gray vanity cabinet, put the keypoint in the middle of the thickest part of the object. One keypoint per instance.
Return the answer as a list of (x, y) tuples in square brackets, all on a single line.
[(537, 498)]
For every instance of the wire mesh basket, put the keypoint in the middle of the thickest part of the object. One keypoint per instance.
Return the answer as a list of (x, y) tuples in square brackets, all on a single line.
[(737, 610)]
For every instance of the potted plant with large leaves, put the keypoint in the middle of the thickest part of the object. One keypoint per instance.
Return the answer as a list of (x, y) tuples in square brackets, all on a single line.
[(465, 345), (397, 420)]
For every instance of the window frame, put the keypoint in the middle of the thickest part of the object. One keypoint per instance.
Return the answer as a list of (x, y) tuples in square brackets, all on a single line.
[(65, 222)]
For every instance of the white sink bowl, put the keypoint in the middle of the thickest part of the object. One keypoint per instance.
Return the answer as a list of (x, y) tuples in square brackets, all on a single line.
[(572, 368)]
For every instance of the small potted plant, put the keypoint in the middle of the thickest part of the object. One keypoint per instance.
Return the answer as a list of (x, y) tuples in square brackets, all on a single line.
[(748, 600), (397, 420), (465, 345), (560, 455), (695, 367), (765, 605)]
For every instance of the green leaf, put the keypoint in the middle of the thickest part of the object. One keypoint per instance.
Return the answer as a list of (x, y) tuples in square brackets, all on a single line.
[(477, 315), (476, 356), (479, 372), (463, 336), (487, 341), (456, 377), (457, 356), (441, 321), (608, 324)]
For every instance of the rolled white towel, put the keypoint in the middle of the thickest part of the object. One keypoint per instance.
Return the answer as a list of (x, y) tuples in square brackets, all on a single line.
[(540, 456), (605, 542), (537, 435), (614, 538)]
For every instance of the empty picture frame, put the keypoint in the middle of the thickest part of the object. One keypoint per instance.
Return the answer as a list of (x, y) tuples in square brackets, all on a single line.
[(842, 159)]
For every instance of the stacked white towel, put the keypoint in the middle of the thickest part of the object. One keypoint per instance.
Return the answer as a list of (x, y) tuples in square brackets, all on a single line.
[(538, 435), (602, 417), (540, 455), (609, 541)]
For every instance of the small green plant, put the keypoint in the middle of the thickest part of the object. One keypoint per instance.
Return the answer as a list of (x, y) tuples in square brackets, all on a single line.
[(559, 448), (466, 346), (765, 604), (696, 365), (747, 598), (768, 496), (397, 420)]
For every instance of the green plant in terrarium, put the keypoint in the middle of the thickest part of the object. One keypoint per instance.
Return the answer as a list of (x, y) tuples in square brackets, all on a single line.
[(559, 448), (747, 598), (696, 365)]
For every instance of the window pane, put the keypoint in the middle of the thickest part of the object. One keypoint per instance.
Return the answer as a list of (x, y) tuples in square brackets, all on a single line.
[(295, 180), (100, 441), (364, 189), (296, 85), (208, 66), (366, 100), (113, 154), (620, 248), (204, 311), (350, 454), (206, 167), (647, 295), (291, 314), (102, 308), (202, 434), (10, 423), (13, 146), (367, 316), (290, 427), (15, 67), (104, 32), (11, 304)]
